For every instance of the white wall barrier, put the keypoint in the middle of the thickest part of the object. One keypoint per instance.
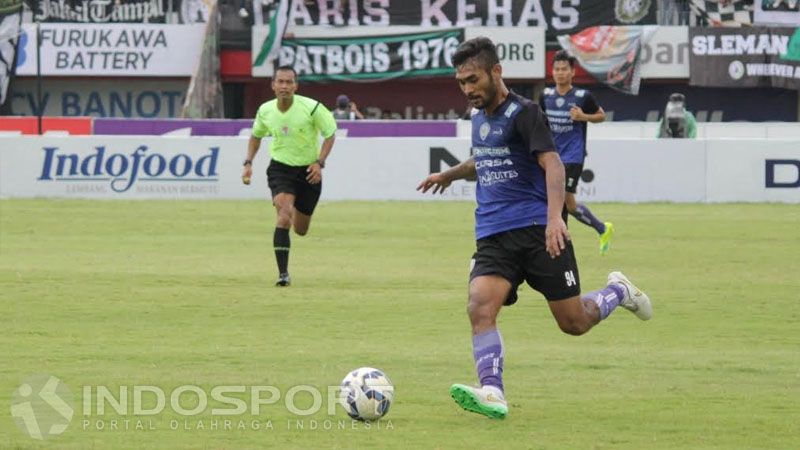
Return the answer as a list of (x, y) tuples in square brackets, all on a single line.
[(626, 170)]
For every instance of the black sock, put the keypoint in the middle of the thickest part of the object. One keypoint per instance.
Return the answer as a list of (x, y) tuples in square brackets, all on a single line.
[(282, 243)]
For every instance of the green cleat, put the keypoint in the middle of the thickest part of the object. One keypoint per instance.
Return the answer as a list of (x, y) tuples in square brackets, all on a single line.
[(605, 238), (480, 400)]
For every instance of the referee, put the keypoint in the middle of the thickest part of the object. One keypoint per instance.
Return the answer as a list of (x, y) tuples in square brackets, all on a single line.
[(294, 174)]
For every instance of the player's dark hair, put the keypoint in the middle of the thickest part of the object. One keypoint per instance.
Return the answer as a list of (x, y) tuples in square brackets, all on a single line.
[(289, 68), (563, 55), (481, 49)]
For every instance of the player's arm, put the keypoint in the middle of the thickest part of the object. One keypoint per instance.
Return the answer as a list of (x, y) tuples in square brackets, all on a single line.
[(253, 144), (591, 111), (534, 129), (326, 124), (599, 116), (556, 233), (441, 180)]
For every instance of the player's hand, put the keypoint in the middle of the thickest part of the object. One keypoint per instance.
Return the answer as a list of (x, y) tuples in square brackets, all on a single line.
[(576, 113), (437, 181), (556, 236), (247, 172), (314, 173)]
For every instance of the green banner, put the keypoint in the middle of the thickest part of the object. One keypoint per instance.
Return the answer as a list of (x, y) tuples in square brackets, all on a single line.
[(372, 58)]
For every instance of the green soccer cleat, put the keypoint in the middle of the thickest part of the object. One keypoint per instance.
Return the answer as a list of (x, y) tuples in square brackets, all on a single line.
[(480, 400), (605, 238)]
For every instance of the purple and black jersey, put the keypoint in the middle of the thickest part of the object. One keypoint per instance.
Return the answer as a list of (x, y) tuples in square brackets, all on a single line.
[(569, 136), (511, 191)]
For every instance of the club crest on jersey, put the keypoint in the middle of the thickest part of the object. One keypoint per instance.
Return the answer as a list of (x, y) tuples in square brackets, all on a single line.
[(285, 130), (484, 130), (560, 102)]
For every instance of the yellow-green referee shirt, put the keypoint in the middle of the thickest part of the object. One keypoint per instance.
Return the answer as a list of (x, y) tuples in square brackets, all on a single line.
[(295, 133)]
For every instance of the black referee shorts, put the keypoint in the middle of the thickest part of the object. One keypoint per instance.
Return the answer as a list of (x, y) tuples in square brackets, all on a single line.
[(286, 179), (521, 255)]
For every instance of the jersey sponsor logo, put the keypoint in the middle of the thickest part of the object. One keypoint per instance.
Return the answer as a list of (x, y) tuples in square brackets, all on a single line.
[(557, 112), (490, 178), (483, 131), (491, 151), (557, 128), (497, 132), (493, 163)]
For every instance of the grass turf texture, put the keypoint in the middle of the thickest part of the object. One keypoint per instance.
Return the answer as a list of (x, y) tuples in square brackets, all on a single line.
[(177, 293)]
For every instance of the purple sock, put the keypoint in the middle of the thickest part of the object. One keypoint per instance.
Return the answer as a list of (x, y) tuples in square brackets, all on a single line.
[(487, 349), (606, 299), (583, 215)]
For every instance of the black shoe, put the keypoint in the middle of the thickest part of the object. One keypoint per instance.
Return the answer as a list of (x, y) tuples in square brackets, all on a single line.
[(284, 280)]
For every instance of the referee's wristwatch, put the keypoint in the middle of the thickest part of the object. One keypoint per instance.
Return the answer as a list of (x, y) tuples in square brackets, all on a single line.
[(321, 163), (248, 162)]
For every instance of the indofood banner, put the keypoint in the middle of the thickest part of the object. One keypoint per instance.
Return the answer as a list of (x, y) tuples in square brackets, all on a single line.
[(111, 50), (111, 167), (745, 57), (371, 58)]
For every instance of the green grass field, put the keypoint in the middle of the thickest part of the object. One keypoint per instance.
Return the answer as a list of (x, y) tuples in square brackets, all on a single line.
[(180, 293)]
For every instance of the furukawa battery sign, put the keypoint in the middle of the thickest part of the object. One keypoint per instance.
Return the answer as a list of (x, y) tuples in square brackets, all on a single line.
[(745, 57)]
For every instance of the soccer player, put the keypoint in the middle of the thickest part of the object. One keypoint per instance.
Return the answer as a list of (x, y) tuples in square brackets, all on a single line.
[(294, 174), (568, 109), (520, 231)]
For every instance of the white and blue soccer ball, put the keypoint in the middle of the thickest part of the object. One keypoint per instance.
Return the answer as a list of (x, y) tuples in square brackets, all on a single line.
[(366, 394)]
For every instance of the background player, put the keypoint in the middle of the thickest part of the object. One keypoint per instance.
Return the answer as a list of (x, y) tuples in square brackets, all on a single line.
[(295, 171), (568, 109), (520, 232)]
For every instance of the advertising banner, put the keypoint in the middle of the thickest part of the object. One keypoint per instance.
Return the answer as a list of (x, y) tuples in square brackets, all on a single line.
[(110, 167), (521, 50), (777, 12), (112, 50), (373, 58), (100, 98), (100, 11), (557, 17), (241, 127), (666, 54), (745, 57), (750, 171)]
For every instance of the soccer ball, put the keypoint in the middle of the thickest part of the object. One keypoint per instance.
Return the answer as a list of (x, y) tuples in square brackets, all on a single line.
[(366, 394)]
